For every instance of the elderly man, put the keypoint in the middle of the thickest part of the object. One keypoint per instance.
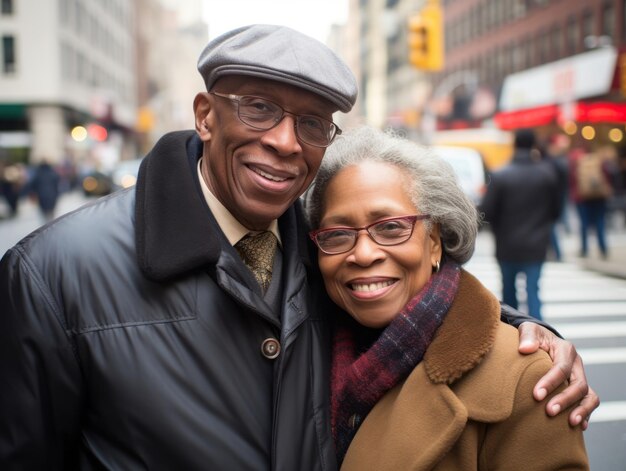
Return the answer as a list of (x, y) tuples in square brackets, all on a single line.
[(180, 325)]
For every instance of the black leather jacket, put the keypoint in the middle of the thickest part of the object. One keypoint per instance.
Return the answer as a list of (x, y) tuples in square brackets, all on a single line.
[(129, 340)]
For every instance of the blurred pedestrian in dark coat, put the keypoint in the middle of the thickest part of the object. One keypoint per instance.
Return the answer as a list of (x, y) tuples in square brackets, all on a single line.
[(45, 186), (521, 204)]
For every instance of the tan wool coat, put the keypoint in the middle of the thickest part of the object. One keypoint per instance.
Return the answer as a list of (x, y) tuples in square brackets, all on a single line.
[(468, 405)]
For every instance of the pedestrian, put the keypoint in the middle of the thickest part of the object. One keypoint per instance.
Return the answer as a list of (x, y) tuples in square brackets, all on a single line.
[(12, 181), (521, 204), (425, 375), (182, 323), (591, 175), (44, 186), (556, 154)]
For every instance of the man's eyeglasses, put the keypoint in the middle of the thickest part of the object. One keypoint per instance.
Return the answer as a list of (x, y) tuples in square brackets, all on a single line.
[(390, 231), (262, 114)]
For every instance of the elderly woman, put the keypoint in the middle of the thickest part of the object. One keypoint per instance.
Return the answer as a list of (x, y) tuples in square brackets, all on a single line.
[(425, 375)]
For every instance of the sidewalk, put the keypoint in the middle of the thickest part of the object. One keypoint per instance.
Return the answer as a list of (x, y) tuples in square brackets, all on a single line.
[(614, 265), (28, 218)]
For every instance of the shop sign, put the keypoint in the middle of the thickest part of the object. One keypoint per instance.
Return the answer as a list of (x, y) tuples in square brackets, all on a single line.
[(573, 78)]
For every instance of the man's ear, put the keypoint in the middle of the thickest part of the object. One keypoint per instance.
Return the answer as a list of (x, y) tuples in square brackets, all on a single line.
[(201, 108)]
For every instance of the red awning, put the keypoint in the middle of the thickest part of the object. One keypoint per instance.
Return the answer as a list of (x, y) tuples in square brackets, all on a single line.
[(602, 112), (581, 112), (528, 118)]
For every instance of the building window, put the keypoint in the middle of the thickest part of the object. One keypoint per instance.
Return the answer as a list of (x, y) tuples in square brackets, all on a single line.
[(539, 49), (608, 20), (8, 54), (623, 19), (519, 9), (557, 42), (6, 7), (588, 20), (573, 36), (531, 54), (473, 23)]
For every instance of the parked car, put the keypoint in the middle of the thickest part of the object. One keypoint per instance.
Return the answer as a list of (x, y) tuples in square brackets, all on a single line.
[(469, 167), (124, 174), (96, 183)]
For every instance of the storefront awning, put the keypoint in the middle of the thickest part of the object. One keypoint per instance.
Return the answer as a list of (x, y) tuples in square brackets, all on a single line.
[(581, 112), (571, 89), (529, 118), (568, 80), (12, 111)]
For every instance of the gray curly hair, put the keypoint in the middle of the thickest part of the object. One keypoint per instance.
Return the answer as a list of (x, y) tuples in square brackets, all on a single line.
[(434, 187)]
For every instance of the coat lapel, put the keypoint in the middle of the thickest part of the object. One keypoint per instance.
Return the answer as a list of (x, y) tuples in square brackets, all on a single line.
[(174, 230), (467, 333)]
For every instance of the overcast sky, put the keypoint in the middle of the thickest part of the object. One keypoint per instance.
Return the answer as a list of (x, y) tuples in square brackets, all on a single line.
[(312, 17)]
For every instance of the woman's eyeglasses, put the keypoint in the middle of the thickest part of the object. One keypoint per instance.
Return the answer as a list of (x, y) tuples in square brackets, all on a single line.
[(390, 231), (262, 114)]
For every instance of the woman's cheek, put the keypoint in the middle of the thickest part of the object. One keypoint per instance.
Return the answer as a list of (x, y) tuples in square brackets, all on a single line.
[(333, 287)]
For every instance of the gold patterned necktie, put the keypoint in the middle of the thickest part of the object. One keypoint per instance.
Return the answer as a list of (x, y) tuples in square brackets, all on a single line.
[(257, 252)]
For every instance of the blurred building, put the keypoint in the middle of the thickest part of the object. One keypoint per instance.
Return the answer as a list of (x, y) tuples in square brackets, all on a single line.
[(171, 36), (507, 64), (392, 93), (344, 39), (64, 64), (550, 64), (96, 81)]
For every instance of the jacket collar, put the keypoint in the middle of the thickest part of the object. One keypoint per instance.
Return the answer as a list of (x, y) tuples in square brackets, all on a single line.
[(523, 156), (467, 334), (175, 232)]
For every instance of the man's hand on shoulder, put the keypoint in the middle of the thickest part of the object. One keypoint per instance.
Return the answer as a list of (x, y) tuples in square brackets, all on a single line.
[(568, 366)]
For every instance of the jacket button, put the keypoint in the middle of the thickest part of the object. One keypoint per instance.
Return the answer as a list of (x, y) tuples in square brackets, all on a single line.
[(270, 348)]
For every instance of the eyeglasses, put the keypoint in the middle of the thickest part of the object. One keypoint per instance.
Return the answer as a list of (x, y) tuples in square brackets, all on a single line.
[(262, 114), (390, 231)]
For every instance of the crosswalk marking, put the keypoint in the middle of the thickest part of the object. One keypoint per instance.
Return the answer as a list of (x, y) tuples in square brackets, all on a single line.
[(589, 330), (610, 411), (601, 295), (602, 356), (584, 309)]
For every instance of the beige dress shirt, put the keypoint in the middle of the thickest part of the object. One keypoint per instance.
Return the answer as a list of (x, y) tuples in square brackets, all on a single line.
[(233, 229)]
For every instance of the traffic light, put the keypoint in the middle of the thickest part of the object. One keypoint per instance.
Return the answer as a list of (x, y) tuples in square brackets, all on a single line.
[(426, 38)]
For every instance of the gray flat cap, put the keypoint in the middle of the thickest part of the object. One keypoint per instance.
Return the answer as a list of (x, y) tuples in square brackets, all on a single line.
[(282, 54)]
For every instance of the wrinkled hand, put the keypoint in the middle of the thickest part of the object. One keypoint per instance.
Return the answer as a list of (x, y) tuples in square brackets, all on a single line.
[(567, 366)]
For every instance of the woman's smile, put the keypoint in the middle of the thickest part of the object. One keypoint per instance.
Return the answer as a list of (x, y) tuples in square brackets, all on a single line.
[(371, 288)]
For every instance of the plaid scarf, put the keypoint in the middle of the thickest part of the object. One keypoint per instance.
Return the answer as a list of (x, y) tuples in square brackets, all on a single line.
[(367, 363)]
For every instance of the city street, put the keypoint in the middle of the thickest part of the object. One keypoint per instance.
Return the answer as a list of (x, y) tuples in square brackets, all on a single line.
[(29, 219), (586, 307)]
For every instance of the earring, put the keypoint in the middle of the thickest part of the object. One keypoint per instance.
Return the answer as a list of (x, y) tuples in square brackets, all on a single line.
[(437, 267)]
